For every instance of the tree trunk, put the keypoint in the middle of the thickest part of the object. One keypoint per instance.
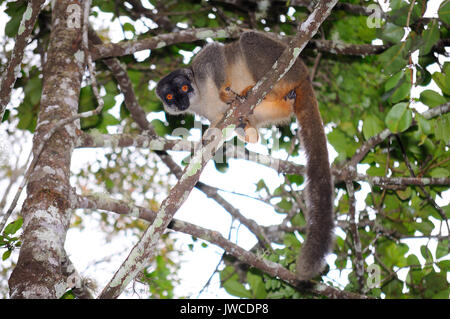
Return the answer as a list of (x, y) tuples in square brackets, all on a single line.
[(47, 208)]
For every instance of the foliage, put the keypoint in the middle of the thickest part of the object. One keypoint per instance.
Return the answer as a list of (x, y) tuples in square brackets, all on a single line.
[(359, 97)]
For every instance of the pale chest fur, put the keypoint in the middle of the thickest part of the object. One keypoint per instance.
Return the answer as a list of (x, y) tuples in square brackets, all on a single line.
[(208, 103)]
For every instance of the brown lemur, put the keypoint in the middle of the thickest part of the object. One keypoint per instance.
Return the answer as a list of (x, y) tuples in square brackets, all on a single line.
[(207, 87)]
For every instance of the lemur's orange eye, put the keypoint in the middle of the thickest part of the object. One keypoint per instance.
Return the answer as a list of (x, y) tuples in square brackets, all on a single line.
[(169, 97), (185, 88)]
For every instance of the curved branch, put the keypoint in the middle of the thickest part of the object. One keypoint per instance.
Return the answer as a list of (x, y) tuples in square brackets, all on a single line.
[(214, 237), (157, 143), (101, 51)]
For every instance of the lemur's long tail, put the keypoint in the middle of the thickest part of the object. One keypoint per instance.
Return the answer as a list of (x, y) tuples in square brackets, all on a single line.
[(320, 221)]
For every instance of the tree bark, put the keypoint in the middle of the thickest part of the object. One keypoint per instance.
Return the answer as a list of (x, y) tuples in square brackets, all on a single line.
[(47, 208)]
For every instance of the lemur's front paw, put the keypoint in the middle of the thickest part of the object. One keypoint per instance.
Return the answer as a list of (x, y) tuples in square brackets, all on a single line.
[(226, 94), (245, 91)]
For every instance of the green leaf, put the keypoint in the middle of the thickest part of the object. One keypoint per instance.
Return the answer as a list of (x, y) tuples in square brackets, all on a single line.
[(285, 205), (393, 288), (6, 254), (344, 145), (235, 288), (124, 112), (33, 89), (392, 81), (295, 179), (441, 126), (160, 127), (401, 91), (395, 255), (393, 60), (404, 194), (425, 227), (429, 37), (399, 118), (68, 295), (424, 124), (444, 265), (400, 15), (432, 98), (291, 241), (434, 283), (412, 260), (442, 249), (109, 184), (15, 10), (108, 101), (220, 166), (426, 253), (88, 102), (298, 220), (128, 27), (229, 279), (6, 116), (13, 227), (260, 185), (392, 33), (444, 12), (372, 126), (439, 172), (443, 81), (256, 286)]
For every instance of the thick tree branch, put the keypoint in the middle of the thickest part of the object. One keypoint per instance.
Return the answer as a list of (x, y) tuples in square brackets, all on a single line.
[(101, 51), (270, 268), (338, 47), (157, 143), (80, 286)]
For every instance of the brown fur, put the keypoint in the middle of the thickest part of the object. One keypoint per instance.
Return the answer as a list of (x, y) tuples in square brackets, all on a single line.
[(222, 71)]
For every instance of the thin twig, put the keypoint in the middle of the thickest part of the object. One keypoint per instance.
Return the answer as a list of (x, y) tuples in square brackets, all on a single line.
[(359, 261)]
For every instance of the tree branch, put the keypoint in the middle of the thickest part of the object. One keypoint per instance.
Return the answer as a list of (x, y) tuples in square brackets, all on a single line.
[(80, 286), (359, 261), (158, 144), (101, 51), (270, 268)]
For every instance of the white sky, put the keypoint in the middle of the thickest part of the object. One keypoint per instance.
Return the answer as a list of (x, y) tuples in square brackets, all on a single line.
[(88, 246)]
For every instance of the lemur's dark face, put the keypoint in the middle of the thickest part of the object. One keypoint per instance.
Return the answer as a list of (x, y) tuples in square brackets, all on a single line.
[(175, 90)]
